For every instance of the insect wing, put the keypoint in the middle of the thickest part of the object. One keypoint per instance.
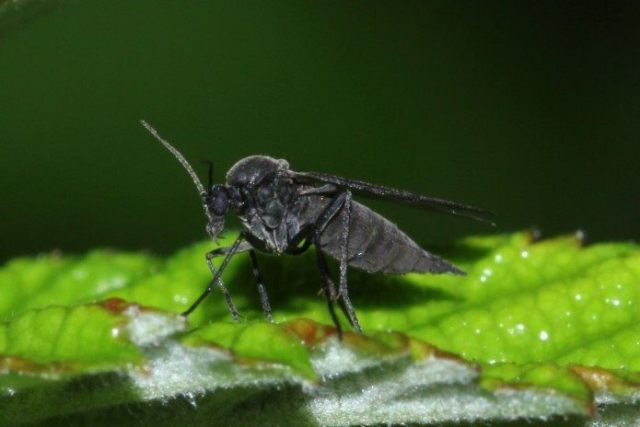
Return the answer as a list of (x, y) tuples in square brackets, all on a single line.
[(396, 195)]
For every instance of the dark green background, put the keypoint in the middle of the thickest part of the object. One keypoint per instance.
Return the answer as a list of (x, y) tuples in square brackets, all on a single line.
[(530, 110)]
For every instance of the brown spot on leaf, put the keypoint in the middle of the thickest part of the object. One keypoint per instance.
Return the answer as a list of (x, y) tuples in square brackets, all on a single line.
[(310, 332), (114, 305), (20, 365), (599, 379)]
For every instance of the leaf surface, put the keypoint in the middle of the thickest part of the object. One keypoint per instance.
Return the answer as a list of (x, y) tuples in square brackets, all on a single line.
[(536, 330)]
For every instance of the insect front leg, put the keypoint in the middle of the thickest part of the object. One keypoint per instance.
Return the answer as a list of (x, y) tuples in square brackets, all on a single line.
[(264, 299), (227, 296), (217, 275)]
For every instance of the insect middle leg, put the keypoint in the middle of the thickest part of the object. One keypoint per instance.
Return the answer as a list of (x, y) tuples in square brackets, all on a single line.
[(264, 299)]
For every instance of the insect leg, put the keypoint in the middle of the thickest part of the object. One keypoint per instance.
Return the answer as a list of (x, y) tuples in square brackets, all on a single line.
[(343, 291), (303, 236), (343, 200), (243, 247), (329, 289), (227, 296), (264, 299), (217, 274)]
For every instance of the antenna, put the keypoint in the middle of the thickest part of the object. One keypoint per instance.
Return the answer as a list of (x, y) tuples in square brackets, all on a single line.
[(177, 155), (209, 173), (185, 164)]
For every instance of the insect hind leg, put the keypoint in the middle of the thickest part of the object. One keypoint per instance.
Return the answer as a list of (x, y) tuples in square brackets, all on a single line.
[(329, 289), (340, 202), (343, 290)]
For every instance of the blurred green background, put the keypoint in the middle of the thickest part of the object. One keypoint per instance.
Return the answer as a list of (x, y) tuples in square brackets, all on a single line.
[(531, 110)]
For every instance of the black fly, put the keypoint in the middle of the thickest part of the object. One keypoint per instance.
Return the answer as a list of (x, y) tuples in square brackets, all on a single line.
[(285, 212)]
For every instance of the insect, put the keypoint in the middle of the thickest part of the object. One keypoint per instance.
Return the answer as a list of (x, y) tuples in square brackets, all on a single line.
[(285, 212)]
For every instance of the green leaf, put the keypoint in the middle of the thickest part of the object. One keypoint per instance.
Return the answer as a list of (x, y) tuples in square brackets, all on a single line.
[(536, 329), (257, 340), (86, 337)]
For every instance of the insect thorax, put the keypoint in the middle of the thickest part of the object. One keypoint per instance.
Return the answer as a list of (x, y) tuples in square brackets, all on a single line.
[(252, 170), (268, 200)]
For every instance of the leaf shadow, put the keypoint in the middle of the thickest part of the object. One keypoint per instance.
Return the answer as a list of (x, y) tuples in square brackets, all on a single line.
[(462, 252), (289, 278)]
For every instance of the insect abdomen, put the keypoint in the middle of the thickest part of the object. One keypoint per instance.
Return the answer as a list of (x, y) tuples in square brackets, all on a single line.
[(378, 245)]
